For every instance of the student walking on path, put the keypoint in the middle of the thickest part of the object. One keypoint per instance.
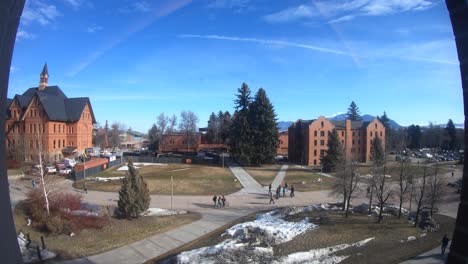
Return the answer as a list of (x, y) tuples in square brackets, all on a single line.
[(223, 199), (220, 203), (215, 198), (284, 191), (291, 194), (271, 199), (278, 192), (445, 241), (269, 189)]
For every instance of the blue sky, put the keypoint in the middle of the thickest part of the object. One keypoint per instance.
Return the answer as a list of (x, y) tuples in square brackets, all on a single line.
[(136, 59)]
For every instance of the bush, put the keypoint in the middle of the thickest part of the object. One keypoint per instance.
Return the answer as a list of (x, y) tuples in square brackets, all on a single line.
[(61, 220)]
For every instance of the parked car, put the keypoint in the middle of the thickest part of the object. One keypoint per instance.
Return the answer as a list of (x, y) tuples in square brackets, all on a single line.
[(69, 162), (51, 169), (65, 171)]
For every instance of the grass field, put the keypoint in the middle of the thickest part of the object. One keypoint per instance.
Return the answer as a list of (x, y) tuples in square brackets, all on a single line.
[(188, 180), (117, 233), (264, 174), (303, 178), (334, 229)]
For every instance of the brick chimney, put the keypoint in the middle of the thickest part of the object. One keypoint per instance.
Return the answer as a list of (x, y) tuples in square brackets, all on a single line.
[(44, 78)]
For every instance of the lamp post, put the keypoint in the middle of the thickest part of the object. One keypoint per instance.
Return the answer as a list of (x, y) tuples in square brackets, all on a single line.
[(172, 189)]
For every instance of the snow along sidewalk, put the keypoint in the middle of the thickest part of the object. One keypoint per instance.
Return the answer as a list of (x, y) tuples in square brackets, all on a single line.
[(433, 256), (279, 177), (157, 245), (249, 183)]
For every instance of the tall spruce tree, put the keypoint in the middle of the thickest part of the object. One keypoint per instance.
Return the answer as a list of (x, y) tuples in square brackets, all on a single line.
[(134, 197), (264, 129), (452, 134), (334, 153), (353, 112), (377, 155), (225, 122), (213, 125), (414, 136), (385, 121), (240, 138)]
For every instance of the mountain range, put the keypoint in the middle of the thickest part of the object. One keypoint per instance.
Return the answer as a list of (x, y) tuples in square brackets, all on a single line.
[(284, 125)]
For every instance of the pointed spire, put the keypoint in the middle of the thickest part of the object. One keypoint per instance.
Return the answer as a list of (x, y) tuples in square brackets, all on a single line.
[(43, 78), (45, 70)]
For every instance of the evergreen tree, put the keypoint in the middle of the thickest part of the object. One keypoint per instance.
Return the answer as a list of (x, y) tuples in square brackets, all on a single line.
[(414, 136), (377, 155), (334, 153), (240, 136), (134, 197), (385, 121), (225, 123), (212, 133), (353, 112), (153, 137), (263, 123), (452, 134)]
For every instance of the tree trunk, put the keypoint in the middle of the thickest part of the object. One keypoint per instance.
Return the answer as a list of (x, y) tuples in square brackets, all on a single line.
[(370, 198), (401, 204), (381, 205)]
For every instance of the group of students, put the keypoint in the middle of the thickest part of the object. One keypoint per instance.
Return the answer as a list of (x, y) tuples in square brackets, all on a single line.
[(278, 192), (219, 201)]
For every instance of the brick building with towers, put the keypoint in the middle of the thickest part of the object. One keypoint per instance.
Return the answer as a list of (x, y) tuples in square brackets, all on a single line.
[(308, 139), (44, 118)]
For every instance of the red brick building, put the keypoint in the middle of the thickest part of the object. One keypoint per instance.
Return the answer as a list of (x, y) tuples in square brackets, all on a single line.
[(283, 143), (45, 117), (179, 142), (308, 139)]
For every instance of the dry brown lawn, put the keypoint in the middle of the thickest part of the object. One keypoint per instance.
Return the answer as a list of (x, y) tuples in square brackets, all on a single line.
[(117, 233), (304, 178), (188, 179), (264, 174), (334, 229)]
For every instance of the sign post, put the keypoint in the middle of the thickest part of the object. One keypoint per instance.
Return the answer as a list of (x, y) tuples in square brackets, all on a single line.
[(172, 189)]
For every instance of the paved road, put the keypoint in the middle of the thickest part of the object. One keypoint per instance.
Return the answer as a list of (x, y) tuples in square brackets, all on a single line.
[(431, 257)]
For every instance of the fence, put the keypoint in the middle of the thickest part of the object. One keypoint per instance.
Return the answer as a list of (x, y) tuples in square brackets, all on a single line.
[(80, 175)]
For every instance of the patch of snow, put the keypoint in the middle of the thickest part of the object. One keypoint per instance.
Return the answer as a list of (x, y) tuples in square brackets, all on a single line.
[(423, 235), (184, 169), (162, 212), (106, 179), (322, 255), (84, 213), (149, 164), (410, 238), (125, 168)]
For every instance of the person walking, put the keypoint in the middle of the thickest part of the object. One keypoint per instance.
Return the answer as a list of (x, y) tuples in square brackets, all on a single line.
[(85, 189), (215, 199), (452, 173), (445, 241), (223, 200), (278, 192), (284, 191), (220, 203), (269, 189), (291, 194), (271, 199), (33, 183), (286, 185)]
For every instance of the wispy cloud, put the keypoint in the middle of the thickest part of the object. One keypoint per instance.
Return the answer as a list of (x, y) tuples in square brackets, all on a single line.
[(291, 14), (440, 52), (141, 6), (266, 41), (339, 11), (40, 12), (134, 28), (22, 34), (13, 69), (94, 28), (228, 3)]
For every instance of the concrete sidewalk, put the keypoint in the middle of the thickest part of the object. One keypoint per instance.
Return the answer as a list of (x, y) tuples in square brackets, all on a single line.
[(279, 177), (157, 245), (249, 183), (431, 257)]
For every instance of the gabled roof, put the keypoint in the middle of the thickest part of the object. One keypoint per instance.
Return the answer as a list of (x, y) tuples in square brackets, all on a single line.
[(56, 104)]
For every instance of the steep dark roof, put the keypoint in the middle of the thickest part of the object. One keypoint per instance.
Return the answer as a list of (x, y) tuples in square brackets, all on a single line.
[(57, 105), (135, 133)]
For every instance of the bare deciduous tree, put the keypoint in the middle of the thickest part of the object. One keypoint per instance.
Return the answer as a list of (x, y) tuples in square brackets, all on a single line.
[(188, 126), (172, 124), (436, 188), (403, 184), (114, 135), (383, 190), (419, 194)]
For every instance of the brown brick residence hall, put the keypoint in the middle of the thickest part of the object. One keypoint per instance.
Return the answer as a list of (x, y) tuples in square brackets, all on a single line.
[(45, 116), (308, 139)]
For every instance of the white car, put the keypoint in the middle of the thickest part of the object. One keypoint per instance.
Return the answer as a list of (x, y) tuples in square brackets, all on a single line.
[(69, 162), (51, 169), (65, 171)]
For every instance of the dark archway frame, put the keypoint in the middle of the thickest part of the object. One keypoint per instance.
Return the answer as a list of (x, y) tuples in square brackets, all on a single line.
[(10, 12)]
